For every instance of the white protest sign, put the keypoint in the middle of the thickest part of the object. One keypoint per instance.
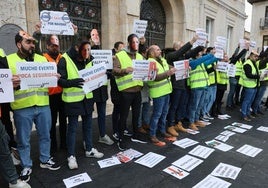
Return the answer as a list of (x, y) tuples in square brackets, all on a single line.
[(222, 66), (264, 48), (252, 45), (222, 40), (6, 86), (219, 47), (37, 75), (139, 27), (231, 69), (94, 77), (56, 22), (144, 70), (182, 69), (202, 37), (101, 56)]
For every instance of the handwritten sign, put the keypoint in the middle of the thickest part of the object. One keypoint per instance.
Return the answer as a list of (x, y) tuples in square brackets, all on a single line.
[(139, 27), (94, 77), (37, 75), (101, 56), (6, 86), (56, 22)]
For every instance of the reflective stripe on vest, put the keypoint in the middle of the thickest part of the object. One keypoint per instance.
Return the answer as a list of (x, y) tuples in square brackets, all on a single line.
[(162, 87), (29, 97), (74, 94), (125, 82), (244, 80), (239, 68), (198, 77)]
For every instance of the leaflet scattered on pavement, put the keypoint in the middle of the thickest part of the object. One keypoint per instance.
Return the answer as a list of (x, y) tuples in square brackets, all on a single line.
[(191, 131), (132, 153), (249, 150), (212, 182), (150, 159), (242, 125), (235, 129), (226, 171), (184, 143), (77, 180), (222, 138), (224, 116), (109, 162), (187, 162), (227, 133), (262, 128), (176, 172), (219, 145), (201, 151)]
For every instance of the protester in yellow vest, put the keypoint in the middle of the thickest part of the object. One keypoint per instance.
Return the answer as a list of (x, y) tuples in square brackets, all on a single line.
[(130, 90), (159, 90), (76, 102), (30, 106), (250, 81)]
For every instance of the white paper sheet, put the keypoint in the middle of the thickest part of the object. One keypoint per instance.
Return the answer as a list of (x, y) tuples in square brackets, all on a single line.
[(219, 145), (235, 129), (249, 150), (150, 159), (201, 151), (176, 172), (262, 128), (226, 171), (76, 180), (187, 162), (109, 162), (242, 125), (212, 182), (185, 142)]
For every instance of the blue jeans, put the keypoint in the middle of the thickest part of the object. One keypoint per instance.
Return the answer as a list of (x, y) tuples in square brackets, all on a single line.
[(196, 103), (249, 95), (158, 118), (24, 119), (257, 101), (209, 99), (101, 109), (71, 132), (144, 118), (233, 84), (176, 109)]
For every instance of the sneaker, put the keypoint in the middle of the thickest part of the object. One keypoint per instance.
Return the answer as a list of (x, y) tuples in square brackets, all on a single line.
[(208, 116), (171, 130), (204, 119), (193, 127), (127, 133), (106, 140), (72, 162), (139, 138), (25, 174), (19, 184), (157, 142), (121, 145), (50, 164), (179, 127), (116, 137), (94, 153)]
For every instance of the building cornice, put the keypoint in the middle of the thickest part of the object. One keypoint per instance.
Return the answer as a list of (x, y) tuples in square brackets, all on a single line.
[(255, 1)]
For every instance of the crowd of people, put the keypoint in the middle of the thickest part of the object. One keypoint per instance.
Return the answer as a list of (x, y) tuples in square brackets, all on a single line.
[(177, 105)]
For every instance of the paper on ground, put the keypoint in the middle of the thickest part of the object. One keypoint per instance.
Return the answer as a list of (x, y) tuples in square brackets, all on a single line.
[(242, 125), (222, 138), (262, 128), (235, 129), (109, 162), (176, 172), (187, 162), (219, 145), (191, 131), (76, 180), (249, 150), (226, 171), (201, 151), (132, 153), (227, 133), (184, 143), (150, 159), (212, 182)]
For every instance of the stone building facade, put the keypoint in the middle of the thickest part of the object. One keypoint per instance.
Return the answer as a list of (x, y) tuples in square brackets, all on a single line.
[(259, 23), (168, 20)]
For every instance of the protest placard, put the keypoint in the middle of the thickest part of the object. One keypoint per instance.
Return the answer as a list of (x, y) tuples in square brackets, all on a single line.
[(139, 27), (6, 86), (101, 56), (144, 70)]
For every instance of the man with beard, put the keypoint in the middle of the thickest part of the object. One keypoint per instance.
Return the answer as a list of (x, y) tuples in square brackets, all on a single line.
[(30, 106)]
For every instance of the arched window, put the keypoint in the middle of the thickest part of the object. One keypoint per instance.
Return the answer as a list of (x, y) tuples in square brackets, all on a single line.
[(86, 14), (153, 12), (7, 37)]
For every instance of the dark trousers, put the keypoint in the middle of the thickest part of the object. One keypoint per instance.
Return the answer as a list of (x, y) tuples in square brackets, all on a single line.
[(116, 117), (216, 107), (57, 108), (6, 109), (128, 100), (7, 167)]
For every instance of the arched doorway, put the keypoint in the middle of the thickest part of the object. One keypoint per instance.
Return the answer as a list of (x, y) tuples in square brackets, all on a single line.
[(85, 14), (153, 12), (7, 37)]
